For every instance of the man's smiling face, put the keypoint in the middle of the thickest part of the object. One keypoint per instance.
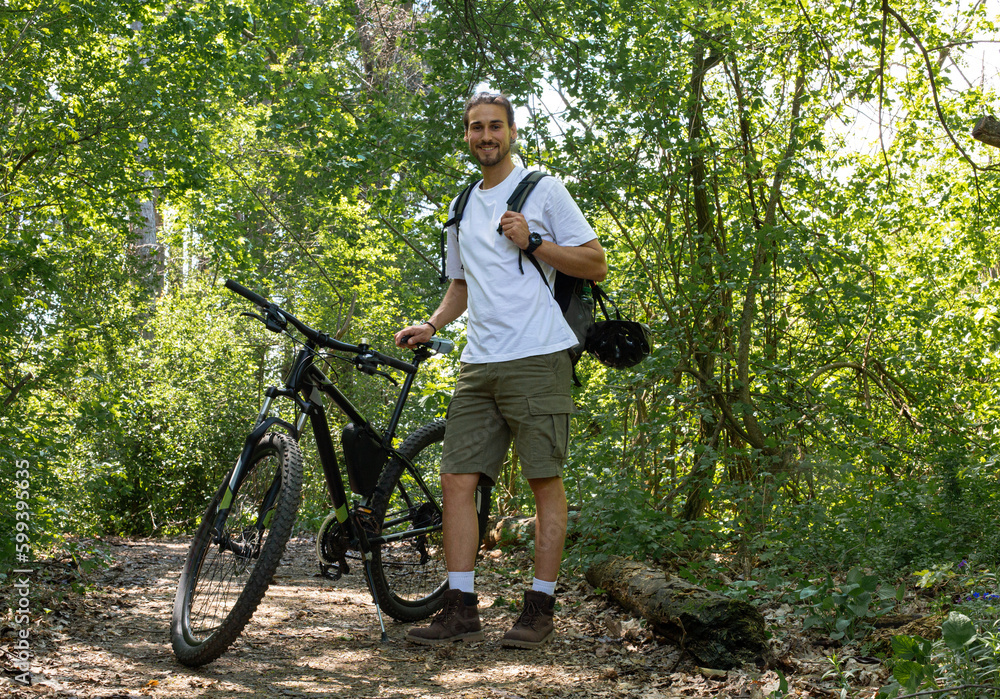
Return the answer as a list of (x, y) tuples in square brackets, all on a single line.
[(488, 134)]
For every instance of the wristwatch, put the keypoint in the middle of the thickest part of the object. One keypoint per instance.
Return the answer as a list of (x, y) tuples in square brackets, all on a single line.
[(534, 240)]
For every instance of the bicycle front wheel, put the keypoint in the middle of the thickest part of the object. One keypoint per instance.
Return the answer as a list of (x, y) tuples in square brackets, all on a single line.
[(409, 571), (227, 573)]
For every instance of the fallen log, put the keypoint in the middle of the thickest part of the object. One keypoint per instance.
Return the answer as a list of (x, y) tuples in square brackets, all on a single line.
[(987, 130), (719, 632), (928, 627), (508, 530), (511, 530)]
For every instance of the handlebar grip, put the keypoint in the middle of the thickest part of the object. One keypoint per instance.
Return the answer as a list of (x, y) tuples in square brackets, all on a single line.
[(441, 345), (246, 293), (338, 345), (399, 364)]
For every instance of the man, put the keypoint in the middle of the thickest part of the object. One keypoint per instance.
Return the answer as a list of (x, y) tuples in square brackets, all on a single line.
[(515, 376)]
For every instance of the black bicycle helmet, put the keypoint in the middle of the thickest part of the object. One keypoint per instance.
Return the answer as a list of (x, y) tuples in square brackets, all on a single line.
[(619, 344)]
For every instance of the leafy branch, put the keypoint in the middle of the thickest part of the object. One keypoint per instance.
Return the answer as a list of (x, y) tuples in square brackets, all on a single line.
[(934, 90)]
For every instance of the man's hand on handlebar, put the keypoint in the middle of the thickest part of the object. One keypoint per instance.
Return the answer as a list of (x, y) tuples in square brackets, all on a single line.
[(413, 335)]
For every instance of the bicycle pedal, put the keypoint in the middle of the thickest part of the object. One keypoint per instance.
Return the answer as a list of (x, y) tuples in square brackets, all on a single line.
[(325, 571)]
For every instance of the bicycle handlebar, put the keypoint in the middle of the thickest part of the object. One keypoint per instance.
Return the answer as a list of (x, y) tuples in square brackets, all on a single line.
[(272, 309), (255, 298)]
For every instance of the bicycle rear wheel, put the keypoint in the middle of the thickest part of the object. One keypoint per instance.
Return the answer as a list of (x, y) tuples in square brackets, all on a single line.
[(225, 577), (409, 573)]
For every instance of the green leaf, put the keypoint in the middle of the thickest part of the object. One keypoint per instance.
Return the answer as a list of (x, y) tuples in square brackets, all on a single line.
[(958, 631), (811, 621), (909, 674), (807, 592), (859, 609), (869, 583), (905, 647)]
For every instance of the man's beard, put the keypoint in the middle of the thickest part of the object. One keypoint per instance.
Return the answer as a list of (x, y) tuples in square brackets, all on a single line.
[(492, 158)]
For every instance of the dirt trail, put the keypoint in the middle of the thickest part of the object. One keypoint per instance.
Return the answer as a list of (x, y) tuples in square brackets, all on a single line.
[(312, 637)]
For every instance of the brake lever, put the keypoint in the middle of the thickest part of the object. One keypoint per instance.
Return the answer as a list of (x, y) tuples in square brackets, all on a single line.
[(248, 314), (366, 366), (275, 322), (386, 375)]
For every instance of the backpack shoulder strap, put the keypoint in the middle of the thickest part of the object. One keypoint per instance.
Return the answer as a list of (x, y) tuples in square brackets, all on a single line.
[(523, 189), (533, 261), (516, 202), (460, 202)]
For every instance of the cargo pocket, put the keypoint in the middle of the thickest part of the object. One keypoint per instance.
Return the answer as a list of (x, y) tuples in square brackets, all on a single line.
[(550, 414)]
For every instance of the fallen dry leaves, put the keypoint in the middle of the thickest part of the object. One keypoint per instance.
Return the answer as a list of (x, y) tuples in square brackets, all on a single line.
[(312, 638)]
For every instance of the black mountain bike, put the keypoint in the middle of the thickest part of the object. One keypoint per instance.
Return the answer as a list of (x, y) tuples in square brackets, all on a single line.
[(392, 528)]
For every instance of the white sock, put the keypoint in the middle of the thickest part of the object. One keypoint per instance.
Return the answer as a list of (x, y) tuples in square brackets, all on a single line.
[(545, 586), (464, 581)]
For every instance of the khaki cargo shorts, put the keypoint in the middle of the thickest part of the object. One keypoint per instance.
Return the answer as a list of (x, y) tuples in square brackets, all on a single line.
[(524, 399)]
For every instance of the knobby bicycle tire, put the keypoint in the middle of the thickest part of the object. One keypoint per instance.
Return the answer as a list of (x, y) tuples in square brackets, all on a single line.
[(223, 581), (410, 575)]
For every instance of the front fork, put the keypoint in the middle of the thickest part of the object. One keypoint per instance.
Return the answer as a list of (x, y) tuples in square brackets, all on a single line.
[(230, 488)]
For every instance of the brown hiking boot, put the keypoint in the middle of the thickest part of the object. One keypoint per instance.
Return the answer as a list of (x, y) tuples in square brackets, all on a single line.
[(458, 620), (535, 625)]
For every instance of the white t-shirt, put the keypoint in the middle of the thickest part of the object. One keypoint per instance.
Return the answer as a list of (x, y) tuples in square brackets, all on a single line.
[(513, 315)]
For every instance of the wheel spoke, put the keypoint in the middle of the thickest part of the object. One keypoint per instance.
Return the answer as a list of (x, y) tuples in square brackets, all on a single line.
[(409, 570), (230, 564)]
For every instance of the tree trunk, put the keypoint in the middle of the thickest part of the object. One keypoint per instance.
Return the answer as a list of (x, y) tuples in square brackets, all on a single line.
[(150, 222), (703, 274), (987, 130), (719, 632)]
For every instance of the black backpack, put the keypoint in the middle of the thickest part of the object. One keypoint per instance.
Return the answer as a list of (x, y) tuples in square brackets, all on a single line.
[(575, 296)]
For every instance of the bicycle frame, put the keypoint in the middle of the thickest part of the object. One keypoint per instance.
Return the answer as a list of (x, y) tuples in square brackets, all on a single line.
[(304, 386)]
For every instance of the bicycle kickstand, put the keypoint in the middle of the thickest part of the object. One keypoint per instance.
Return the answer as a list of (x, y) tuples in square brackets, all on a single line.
[(371, 586)]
